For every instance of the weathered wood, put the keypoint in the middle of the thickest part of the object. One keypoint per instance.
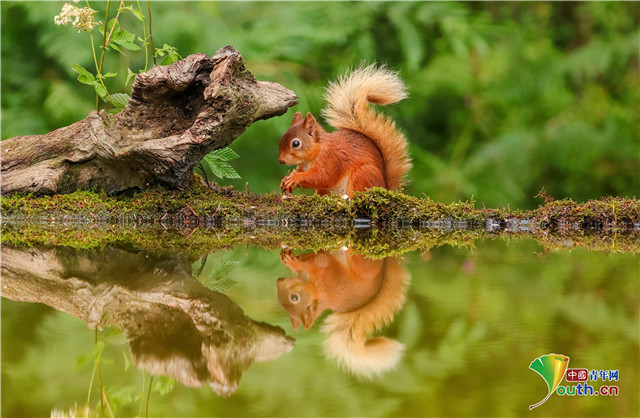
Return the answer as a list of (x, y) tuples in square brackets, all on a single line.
[(177, 114), (174, 325)]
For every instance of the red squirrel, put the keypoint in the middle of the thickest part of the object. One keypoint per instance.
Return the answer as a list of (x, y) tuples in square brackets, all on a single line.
[(365, 151), (363, 294)]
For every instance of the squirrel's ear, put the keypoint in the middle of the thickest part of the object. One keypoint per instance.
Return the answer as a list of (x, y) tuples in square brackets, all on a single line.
[(295, 322), (309, 121), (297, 117), (309, 315), (307, 320)]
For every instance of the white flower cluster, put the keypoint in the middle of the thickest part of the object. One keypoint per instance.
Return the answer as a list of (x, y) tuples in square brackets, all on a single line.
[(82, 18)]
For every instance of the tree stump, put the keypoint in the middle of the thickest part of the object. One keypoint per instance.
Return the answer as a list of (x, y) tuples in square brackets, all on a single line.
[(176, 115)]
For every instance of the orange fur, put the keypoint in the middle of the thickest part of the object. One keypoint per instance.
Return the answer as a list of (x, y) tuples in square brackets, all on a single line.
[(366, 151), (341, 282), (364, 295)]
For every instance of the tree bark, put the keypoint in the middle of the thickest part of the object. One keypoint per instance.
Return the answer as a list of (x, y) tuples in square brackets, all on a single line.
[(176, 115), (173, 324)]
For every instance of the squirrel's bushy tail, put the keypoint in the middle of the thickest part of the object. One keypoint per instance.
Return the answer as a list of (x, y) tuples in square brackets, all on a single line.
[(348, 101), (347, 332)]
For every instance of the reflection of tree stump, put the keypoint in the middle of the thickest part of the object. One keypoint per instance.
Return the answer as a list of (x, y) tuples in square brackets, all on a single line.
[(173, 324), (177, 114)]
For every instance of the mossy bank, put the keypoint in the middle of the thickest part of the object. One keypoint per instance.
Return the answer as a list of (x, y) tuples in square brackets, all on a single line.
[(377, 222)]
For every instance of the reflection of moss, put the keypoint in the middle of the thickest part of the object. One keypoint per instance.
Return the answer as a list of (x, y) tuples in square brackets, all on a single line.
[(373, 242), (197, 242), (199, 219)]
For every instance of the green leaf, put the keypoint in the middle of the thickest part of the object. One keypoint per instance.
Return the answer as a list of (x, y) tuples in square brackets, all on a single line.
[(137, 13), (216, 277), (203, 171), (109, 75), (113, 28), (122, 38), (199, 170), (228, 171), (224, 154), (128, 45), (122, 35), (213, 166), (97, 349), (219, 285), (221, 169), (84, 76), (215, 163), (225, 268), (114, 47), (121, 396), (163, 384), (102, 92), (170, 51), (119, 100), (130, 75), (92, 356), (170, 59), (127, 360)]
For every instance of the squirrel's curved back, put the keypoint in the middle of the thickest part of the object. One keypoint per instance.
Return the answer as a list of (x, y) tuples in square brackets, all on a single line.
[(348, 101)]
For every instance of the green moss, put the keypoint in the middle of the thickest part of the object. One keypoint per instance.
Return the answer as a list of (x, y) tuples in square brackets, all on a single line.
[(593, 213), (200, 219), (378, 205)]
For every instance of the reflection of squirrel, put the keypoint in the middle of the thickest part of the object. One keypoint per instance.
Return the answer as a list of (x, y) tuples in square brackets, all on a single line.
[(366, 150), (364, 295)]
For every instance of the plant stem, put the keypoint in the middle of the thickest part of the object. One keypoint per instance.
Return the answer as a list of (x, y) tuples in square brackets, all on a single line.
[(115, 20), (153, 50), (93, 49), (105, 42), (98, 369), (95, 61), (144, 35), (104, 395), (91, 382), (142, 400), (149, 396), (104, 35)]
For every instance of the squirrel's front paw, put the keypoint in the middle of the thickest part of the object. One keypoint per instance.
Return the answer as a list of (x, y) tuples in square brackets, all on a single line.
[(288, 183), (286, 256)]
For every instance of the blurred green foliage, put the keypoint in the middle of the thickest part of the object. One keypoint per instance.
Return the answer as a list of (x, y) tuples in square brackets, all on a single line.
[(505, 98)]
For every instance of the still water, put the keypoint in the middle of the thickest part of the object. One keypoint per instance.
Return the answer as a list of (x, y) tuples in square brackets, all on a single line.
[(249, 332)]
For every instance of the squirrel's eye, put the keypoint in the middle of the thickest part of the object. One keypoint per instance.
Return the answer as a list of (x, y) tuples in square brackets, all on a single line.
[(295, 144), (294, 298)]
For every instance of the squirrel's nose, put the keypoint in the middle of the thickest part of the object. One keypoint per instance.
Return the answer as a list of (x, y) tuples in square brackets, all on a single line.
[(280, 160)]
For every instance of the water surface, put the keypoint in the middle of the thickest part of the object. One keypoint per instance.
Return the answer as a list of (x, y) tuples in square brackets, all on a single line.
[(464, 326)]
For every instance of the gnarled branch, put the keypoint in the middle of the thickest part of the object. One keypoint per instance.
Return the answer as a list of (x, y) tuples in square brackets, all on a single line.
[(177, 114)]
